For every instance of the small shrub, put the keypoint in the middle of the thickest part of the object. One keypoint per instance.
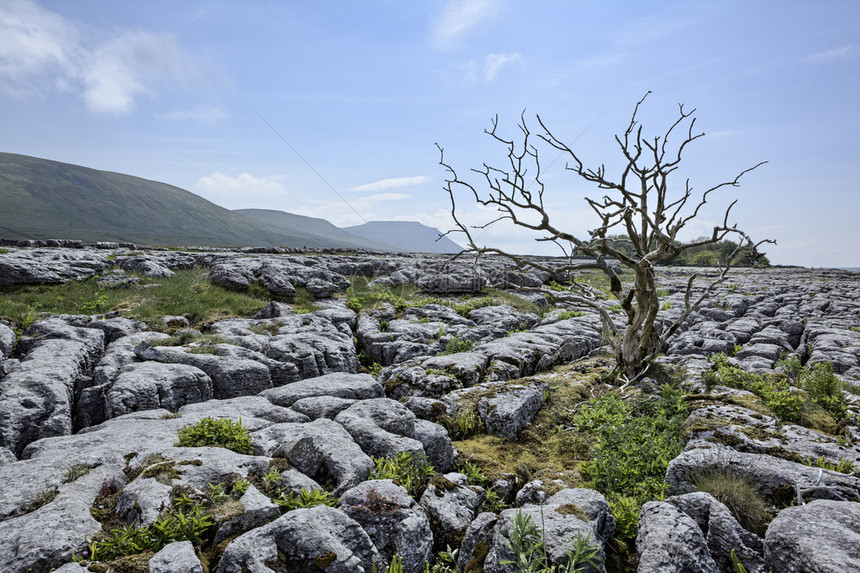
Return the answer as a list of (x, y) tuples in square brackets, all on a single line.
[(527, 544), (219, 432), (666, 305), (824, 388), (406, 469), (290, 500), (566, 314), (463, 425), (174, 525), (456, 345)]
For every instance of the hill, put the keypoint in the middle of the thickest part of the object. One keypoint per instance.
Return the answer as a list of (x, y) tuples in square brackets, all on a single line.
[(409, 236), (313, 228)]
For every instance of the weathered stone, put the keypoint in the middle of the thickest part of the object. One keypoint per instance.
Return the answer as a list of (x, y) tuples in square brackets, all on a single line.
[(302, 540), (257, 510), (177, 557), (339, 385), (451, 504), (394, 521), (670, 541), (149, 385), (821, 536)]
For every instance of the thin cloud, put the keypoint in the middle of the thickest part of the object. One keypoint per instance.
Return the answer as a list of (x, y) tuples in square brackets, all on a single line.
[(495, 62), (458, 18), (243, 190), (34, 43), (208, 114), (828, 56), (391, 183), (42, 52), (387, 197)]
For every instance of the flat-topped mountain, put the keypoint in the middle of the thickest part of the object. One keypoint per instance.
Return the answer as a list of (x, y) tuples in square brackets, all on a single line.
[(408, 236)]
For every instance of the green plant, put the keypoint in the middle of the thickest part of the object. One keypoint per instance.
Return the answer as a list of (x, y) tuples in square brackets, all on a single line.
[(290, 500), (173, 525), (220, 432), (824, 388), (446, 562), (527, 544), (462, 425), (774, 390), (844, 465), (566, 314), (735, 490), (455, 345), (410, 470), (666, 305), (75, 471), (634, 443)]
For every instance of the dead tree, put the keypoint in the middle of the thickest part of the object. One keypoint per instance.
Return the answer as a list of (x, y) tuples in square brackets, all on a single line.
[(638, 205)]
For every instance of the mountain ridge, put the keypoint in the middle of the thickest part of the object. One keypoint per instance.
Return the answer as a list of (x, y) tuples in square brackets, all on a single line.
[(46, 199)]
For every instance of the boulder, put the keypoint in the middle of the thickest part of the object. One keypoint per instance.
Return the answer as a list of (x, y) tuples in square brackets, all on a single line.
[(822, 536), (149, 385), (451, 504), (177, 557), (394, 521), (319, 537), (670, 541)]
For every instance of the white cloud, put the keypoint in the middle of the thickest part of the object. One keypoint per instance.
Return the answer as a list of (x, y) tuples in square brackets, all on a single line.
[(208, 114), (34, 42), (41, 52), (828, 56), (127, 66), (242, 191), (391, 183), (495, 62), (458, 18), (387, 197)]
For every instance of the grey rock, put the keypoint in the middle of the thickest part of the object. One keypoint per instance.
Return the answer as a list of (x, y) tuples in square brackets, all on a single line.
[(231, 376), (451, 504), (47, 537), (143, 500), (722, 532), (322, 450), (670, 541), (775, 477), (531, 493), (437, 444), (149, 385), (50, 266), (177, 557), (460, 279), (504, 407), (36, 399), (338, 385), (561, 523), (394, 521), (147, 266), (476, 542), (301, 538), (322, 406), (381, 426), (7, 341), (256, 511), (821, 536)]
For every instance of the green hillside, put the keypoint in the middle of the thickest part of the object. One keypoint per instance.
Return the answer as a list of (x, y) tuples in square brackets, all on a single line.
[(43, 199)]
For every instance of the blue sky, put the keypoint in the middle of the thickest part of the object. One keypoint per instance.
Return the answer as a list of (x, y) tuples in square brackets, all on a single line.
[(173, 91)]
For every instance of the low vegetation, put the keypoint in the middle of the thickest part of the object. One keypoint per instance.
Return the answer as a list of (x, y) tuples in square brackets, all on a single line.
[(219, 432), (810, 396), (189, 294)]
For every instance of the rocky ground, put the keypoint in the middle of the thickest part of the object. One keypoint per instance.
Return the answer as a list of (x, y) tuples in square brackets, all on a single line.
[(91, 408)]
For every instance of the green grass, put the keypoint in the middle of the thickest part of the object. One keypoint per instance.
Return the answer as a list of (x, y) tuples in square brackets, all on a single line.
[(188, 294)]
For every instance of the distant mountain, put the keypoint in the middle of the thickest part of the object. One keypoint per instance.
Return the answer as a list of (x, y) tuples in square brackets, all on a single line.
[(44, 199), (408, 236), (313, 228)]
